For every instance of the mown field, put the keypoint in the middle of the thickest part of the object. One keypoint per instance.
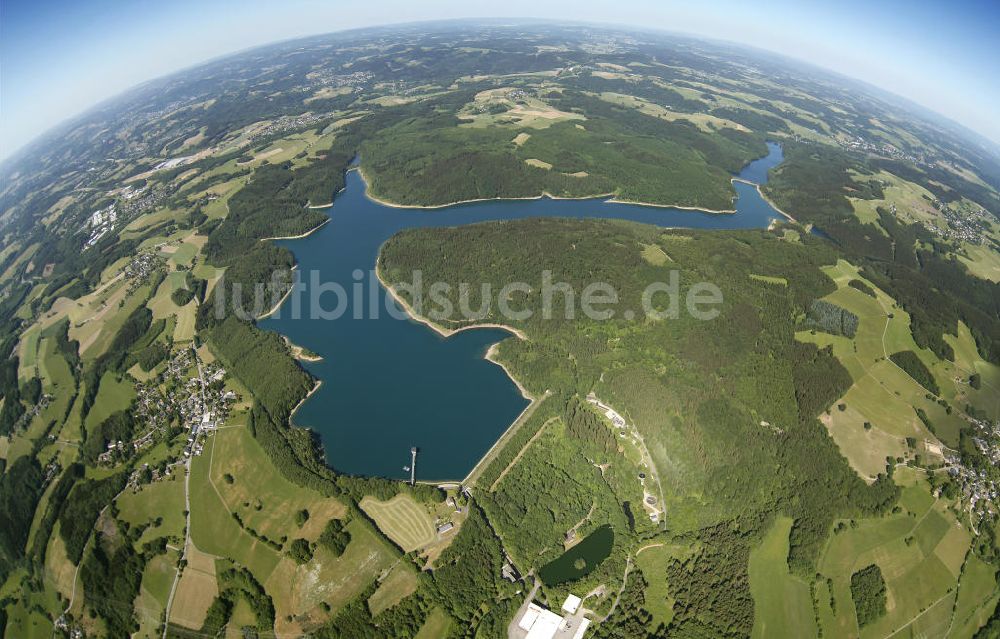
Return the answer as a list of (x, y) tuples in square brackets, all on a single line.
[(159, 505), (782, 602), (405, 521)]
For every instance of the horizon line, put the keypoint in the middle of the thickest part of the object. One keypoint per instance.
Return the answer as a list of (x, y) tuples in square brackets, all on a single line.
[(985, 140)]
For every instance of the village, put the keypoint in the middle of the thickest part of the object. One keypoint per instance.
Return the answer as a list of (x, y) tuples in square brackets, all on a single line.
[(976, 478), (964, 227), (978, 481), (130, 202), (337, 80), (859, 143), (188, 397)]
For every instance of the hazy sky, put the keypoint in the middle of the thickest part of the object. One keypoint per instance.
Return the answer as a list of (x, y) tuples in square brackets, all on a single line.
[(58, 57)]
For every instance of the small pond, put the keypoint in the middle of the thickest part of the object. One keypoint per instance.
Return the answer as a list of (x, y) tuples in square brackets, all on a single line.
[(581, 559)]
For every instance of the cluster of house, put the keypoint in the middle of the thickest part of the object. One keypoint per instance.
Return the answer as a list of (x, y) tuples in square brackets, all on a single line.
[(173, 163), (964, 226), (205, 200), (616, 420), (884, 149), (514, 95), (326, 78), (152, 411), (141, 266), (979, 489), (203, 404), (982, 493), (960, 226), (136, 201), (139, 269), (25, 419), (107, 215), (283, 124), (52, 470), (116, 450), (446, 526), (460, 506), (988, 440), (130, 201), (100, 222), (63, 624), (198, 403)]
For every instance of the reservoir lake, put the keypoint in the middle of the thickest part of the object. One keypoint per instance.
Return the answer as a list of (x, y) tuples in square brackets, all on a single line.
[(390, 384)]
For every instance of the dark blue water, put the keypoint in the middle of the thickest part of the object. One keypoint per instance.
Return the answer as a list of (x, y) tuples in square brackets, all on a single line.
[(390, 384), (756, 171)]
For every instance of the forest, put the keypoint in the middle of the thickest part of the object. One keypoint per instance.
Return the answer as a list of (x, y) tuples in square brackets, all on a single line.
[(112, 573), (758, 413), (868, 593), (915, 368), (83, 505), (832, 319), (620, 152), (20, 487)]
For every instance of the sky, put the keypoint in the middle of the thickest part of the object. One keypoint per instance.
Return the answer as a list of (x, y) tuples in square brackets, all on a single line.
[(59, 57)]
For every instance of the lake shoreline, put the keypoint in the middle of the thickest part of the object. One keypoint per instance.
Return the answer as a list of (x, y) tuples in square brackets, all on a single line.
[(473, 475), (774, 206), (291, 415), (491, 356), (299, 352), (444, 332), (437, 328), (607, 198), (301, 235), (371, 352), (274, 309)]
